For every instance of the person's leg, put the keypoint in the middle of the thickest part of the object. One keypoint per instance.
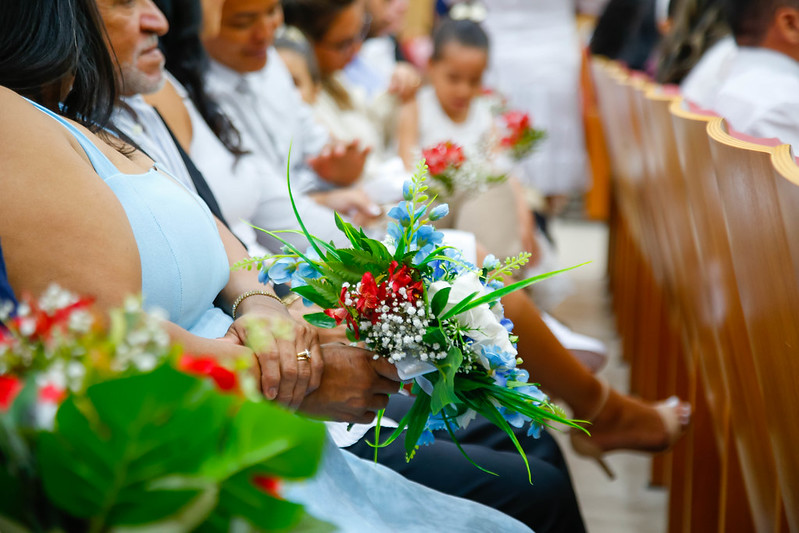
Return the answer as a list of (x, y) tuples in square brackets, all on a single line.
[(618, 421), (548, 504)]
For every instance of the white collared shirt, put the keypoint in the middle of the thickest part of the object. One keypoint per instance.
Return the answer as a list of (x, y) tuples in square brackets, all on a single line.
[(138, 120), (250, 191), (702, 82), (271, 116), (760, 95)]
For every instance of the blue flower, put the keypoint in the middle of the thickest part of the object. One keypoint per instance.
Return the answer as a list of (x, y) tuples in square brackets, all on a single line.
[(507, 324), (514, 418), (394, 231), (401, 213), (438, 270), (281, 270), (426, 438), (305, 271), (534, 430), (263, 274), (521, 375), (495, 285), (427, 234), (407, 190), (490, 262), (498, 358), (440, 211)]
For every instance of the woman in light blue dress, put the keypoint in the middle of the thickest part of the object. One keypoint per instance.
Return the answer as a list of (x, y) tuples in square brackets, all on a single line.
[(105, 223)]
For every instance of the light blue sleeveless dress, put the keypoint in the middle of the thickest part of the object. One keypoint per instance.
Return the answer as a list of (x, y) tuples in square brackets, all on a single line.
[(183, 261), (184, 266)]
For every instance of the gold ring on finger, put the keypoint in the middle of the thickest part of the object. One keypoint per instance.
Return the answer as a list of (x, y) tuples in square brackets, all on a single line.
[(304, 355)]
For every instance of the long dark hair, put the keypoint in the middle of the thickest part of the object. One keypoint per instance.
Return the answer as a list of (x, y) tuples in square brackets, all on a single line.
[(187, 60), (44, 43)]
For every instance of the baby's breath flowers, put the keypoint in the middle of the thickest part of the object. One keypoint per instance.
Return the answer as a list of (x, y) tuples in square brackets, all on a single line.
[(419, 304)]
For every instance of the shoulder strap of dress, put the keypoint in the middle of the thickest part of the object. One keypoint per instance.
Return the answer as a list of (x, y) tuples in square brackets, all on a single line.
[(102, 165)]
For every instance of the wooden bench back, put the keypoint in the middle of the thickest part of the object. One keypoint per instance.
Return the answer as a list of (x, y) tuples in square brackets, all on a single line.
[(720, 321), (759, 190)]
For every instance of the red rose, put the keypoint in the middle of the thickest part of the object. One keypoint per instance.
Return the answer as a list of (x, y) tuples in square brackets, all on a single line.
[(9, 388), (269, 485), (207, 366), (52, 394)]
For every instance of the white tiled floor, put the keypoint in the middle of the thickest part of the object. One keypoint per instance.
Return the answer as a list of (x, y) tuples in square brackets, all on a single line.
[(627, 504)]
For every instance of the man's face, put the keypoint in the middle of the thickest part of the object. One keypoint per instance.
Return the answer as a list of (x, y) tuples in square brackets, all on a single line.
[(248, 30), (133, 30)]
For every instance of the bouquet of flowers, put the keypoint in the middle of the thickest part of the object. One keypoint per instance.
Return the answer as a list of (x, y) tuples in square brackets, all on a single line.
[(453, 171), (518, 136), (108, 428), (437, 317)]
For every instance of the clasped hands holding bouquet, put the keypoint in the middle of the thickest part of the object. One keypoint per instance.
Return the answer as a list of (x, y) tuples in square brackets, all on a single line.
[(332, 380)]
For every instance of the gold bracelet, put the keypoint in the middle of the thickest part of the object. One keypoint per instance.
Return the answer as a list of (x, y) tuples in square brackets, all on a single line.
[(246, 295)]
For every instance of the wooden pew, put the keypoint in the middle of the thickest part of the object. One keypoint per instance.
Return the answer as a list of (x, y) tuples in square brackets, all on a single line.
[(759, 189), (747, 485), (694, 499)]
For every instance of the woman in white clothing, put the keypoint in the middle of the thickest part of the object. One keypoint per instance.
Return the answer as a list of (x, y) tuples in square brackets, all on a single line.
[(535, 63)]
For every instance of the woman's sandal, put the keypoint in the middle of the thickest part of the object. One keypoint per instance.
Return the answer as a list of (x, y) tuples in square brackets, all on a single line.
[(674, 415)]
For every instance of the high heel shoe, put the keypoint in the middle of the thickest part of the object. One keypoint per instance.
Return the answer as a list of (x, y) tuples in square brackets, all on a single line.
[(672, 413)]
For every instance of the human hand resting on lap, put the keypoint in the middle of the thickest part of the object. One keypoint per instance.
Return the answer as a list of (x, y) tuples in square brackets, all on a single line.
[(289, 358), (354, 385), (340, 163)]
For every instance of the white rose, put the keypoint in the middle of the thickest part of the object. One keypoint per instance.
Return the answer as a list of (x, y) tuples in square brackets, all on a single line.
[(484, 324)]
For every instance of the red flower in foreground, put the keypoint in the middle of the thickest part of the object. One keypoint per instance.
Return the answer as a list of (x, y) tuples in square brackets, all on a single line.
[(9, 388), (45, 321), (52, 394), (207, 366), (442, 157), (269, 485)]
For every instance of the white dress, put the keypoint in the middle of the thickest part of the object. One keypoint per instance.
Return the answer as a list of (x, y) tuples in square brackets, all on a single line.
[(535, 62), (490, 215)]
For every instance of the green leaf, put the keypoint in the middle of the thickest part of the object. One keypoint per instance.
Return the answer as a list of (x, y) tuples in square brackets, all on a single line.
[(311, 239), (459, 307), (241, 498), (444, 389), (416, 419), (348, 230), (311, 294), (320, 320), (379, 250), (327, 291), (158, 448), (346, 272), (440, 300), (107, 446), (287, 446), (497, 294)]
